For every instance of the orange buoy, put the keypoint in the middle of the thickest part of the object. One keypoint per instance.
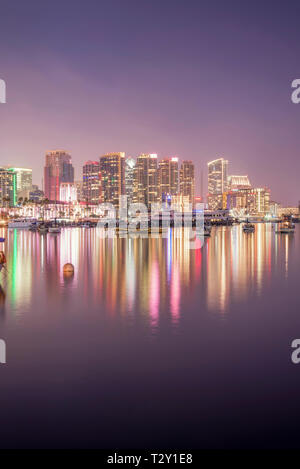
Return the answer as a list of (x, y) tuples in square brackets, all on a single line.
[(68, 269)]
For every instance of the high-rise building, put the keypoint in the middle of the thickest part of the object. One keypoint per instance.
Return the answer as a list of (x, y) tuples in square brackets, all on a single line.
[(217, 183), (168, 178), (238, 182), (8, 188), (262, 200), (145, 187), (274, 207), (112, 168), (129, 178), (68, 192), (241, 200), (58, 169), (91, 182), (187, 180), (249, 201), (180, 202), (23, 181)]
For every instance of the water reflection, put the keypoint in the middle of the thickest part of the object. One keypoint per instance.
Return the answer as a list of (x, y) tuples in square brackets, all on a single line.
[(153, 281)]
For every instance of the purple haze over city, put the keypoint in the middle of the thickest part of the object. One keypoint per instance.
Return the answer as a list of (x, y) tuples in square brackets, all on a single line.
[(196, 79)]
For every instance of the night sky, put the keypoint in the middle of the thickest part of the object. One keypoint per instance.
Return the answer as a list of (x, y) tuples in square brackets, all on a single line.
[(196, 79)]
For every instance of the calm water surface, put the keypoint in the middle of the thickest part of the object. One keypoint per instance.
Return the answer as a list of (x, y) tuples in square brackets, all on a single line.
[(150, 343)]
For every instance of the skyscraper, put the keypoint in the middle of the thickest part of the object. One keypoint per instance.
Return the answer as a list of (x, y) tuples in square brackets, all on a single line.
[(129, 178), (262, 200), (91, 185), (168, 178), (249, 201), (23, 181), (58, 169), (8, 189), (112, 168), (187, 180), (238, 182), (217, 182), (145, 179)]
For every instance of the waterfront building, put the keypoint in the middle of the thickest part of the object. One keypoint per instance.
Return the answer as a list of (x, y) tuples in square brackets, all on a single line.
[(112, 168), (8, 188), (274, 208), (167, 178), (23, 181), (287, 211), (129, 178), (248, 201), (145, 184), (68, 192), (58, 169), (180, 202), (187, 180), (217, 182), (262, 200), (238, 182), (91, 182), (215, 201)]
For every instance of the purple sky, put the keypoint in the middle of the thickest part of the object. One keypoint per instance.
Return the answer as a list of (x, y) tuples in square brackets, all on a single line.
[(196, 79)]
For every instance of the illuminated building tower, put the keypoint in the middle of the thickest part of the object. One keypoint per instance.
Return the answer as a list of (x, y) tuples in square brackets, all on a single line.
[(179, 202), (68, 192), (262, 201), (129, 178), (58, 169), (145, 188), (187, 180), (240, 195), (238, 182), (23, 181), (8, 188), (112, 168), (217, 183), (249, 201), (241, 199), (91, 182), (168, 178)]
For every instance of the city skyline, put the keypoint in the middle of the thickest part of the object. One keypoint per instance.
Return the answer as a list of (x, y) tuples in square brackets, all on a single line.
[(200, 86), (79, 175), (146, 180), (78, 172)]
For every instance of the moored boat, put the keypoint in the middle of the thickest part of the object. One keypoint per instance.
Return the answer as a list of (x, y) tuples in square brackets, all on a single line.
[(54, 229), (20, 224), (286, 227), (248, 227), (34, 226), (42, 229)]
